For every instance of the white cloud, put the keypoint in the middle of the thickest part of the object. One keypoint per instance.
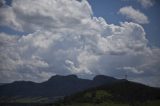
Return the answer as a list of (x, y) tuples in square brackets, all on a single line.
[(134, 15), (44, 15), (65, 38), (132, 69), (8, 18), (146, 3)]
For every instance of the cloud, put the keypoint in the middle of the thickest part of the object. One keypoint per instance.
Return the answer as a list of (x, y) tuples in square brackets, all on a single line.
[(134, 15), (2, 2), (42, 15), (146, 3), (65, 38), (132, 69)]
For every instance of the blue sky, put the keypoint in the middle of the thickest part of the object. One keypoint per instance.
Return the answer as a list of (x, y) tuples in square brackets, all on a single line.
[(42, 38)]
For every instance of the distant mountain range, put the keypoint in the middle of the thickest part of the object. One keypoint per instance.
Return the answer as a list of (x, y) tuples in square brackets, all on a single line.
[(55, 86), (63, 86)]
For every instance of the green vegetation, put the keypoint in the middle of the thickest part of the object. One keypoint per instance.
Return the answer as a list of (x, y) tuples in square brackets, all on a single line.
[(93, 104), (150, 103), (118, 93), (101, 98)]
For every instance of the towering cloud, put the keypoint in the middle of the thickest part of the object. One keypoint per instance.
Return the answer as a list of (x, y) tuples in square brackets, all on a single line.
[(65, 38)]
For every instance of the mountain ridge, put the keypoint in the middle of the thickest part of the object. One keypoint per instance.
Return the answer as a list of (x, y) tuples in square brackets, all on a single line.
[(56, 86)]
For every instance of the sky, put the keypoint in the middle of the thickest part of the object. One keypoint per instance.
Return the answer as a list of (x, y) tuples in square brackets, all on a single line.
[(42, 38)]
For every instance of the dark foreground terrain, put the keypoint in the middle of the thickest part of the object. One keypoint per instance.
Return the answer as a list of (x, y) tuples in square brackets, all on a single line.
[(122, 93), (73, 91)]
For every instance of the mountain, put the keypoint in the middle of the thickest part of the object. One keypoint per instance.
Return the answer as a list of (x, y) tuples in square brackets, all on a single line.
[(74, 91), (55, 87), (102, 79), (119, 93), (2, 83)]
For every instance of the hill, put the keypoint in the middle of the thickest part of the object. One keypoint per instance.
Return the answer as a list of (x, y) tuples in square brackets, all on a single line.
[(73, 91), (120, 93), (55, 87)]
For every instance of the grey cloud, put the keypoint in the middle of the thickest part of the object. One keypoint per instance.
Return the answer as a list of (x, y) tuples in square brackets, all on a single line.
[(2, 3), (146, 3)]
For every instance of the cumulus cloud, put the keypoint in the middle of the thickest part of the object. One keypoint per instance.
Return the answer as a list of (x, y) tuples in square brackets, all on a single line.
[(44, 15), (134, 15), (65, 38), (146, 3)]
